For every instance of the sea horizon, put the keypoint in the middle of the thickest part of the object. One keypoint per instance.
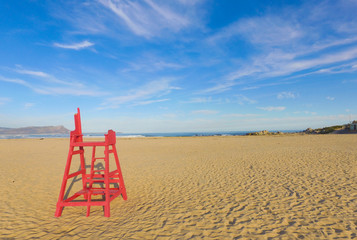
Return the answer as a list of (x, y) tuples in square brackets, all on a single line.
[(142, 135)]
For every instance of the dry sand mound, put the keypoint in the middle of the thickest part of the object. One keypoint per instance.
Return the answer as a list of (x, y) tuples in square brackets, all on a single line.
[(288, 187)]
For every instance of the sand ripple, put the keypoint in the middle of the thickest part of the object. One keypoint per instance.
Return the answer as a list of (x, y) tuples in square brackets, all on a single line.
[(290, 187)]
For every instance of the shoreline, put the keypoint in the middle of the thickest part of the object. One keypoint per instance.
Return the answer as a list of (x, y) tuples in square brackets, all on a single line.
[(134, 136)]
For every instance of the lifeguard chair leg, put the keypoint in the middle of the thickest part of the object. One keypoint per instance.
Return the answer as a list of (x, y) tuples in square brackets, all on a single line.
[(121, 180), (59, 207), (83, 170), (92, 168), (88, 201), (91, 181), (107, 184)]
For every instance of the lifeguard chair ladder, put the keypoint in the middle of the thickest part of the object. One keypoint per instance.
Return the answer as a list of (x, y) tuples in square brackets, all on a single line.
[(102, 177)]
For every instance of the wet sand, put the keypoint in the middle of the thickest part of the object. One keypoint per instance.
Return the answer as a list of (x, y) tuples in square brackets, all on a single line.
[(248, 187)]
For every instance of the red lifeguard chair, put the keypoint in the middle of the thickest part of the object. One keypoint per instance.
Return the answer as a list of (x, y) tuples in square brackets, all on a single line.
[(103, 177)]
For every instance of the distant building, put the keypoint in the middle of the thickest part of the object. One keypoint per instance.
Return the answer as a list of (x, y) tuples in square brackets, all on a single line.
[(353, 126)]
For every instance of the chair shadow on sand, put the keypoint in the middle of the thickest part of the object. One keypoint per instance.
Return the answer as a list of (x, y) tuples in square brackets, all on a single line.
[(78, 178)]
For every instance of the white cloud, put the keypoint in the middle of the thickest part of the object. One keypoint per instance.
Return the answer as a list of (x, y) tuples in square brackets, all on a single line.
[(150, 102), (271, 108), (205, 112), (243, 99), (291, 41), (29, 105), (277, 65), (218, 88), (150, 63), (119, 18), (244, 115), (276, 30), (147, 19), (330, 98), (200, 100), (32, 73), (74, 46), (60, 90), (305, 112), (4, 100), (349, 81), (46, 77), (14, 80), (287, 95), (146, 92), (79, 90), (190, 2)]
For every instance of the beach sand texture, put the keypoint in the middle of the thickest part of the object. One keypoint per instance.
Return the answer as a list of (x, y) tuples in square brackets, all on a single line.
[(256, 187)]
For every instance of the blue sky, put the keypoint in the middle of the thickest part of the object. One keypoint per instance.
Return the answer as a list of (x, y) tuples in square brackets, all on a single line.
[(179, 65)]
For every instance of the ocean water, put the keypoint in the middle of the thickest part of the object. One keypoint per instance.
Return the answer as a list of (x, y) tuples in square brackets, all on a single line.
[(138, 135)]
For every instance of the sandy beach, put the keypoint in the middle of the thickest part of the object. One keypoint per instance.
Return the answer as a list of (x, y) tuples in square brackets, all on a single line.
[(242, 187)]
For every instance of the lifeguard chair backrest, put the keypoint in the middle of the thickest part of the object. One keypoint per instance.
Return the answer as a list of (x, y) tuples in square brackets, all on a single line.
[(110, 137), (76, 134)]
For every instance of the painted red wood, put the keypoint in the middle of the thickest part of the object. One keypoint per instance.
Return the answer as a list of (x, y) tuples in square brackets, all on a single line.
[(103, 176)]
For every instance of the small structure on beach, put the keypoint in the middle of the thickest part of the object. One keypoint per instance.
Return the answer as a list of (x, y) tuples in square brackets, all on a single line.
[(100, 181), (353, 126)]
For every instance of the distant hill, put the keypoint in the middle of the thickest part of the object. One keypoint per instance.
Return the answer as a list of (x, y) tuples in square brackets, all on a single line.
[(35, 130), (337, 129)]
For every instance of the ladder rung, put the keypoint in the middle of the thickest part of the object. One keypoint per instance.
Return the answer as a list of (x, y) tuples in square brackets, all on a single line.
[(89, 177), (113, 173), (75, 174), (102, 180), (101, 191), (73, 197), (77, 152)]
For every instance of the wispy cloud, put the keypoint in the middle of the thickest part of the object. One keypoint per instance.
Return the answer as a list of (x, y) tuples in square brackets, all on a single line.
[(143, 94), (32, 73), (117, 18), (276, 31), (150, 102), (286, 95), (56, 89), (60, 90), (293, 41), (330, 98), (4, 100), (74, 46), (271, 108), (14, 80), (205, 112), (29, 105), (277, 65), (349, 81), (43, 76), (243, 100), (147, 18), (201, 100), (241, 115), (151, 64)]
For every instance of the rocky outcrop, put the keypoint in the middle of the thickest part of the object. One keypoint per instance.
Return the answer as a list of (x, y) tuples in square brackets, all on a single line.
[(325, 130), (264, 132), (35, 130)]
